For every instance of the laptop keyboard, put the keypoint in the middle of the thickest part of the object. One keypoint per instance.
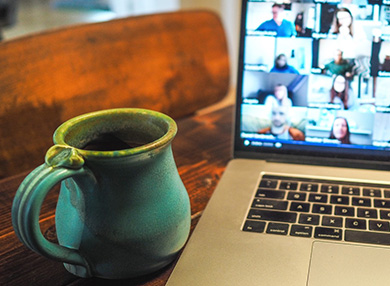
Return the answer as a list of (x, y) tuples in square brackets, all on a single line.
[(321, 209)]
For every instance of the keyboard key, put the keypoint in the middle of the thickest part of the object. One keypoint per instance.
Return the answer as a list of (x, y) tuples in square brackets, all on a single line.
[(328, 233), (356, 223), (367, 237), (372, 192), (284, 185), (318, 198), (367, 213), (330, 189), (301, 230), (354, 191), (269, 184), (322, 209), (384, 204), (296, 196), (309, 219), (254, 226), (270, 194), (344, 211), (386, 194), (385, 214), (277, 228), (269, 204), (272, 215), (378, 225), (340, 200), (332, 221), (300, 207), (363, 202), (309, 187)]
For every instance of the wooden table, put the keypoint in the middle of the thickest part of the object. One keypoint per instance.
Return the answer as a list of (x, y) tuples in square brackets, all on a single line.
[(201, 148)]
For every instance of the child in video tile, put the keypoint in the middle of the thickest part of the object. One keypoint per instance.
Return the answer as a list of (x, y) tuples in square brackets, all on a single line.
[(280, 127), (340, 130), (281, 65), (278, 24)]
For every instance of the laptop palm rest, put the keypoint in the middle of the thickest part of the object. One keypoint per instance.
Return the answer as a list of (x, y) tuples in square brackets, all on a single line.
[(344, 264)]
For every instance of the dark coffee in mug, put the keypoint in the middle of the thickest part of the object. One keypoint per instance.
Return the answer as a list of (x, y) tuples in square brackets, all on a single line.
[(111, 142)]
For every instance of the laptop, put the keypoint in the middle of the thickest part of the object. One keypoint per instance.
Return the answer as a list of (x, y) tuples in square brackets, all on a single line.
[(306, 198)]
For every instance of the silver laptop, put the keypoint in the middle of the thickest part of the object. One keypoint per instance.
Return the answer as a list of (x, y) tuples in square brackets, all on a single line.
[(306, 199)]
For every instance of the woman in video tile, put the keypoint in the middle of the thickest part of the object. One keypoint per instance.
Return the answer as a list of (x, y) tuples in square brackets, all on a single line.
[(341, 92), (343, 22), (281, 65), (340, 130), (279, 98)]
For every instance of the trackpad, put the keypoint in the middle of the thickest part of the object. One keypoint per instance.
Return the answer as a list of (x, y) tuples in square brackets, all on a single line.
[(344, 264)]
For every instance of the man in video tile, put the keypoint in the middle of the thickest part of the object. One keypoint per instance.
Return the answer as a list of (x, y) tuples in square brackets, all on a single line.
[(339, 65), (280, 127), (278, 24)]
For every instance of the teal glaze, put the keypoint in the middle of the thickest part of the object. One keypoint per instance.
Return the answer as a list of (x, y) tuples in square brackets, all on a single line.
[(120, 214)]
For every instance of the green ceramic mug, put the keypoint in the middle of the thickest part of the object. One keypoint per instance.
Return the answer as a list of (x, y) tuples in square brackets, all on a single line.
[(123, 210)]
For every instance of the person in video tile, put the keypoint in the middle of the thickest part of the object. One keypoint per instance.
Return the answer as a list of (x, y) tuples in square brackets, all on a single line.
[(386, 64), (340, 130), (281, 65), (343, 24), (280, 127), (278, 24), (339, 65), (340, 92), (279, 98)]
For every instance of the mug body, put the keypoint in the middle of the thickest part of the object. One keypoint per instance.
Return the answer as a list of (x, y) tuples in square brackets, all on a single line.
[(131, 221)]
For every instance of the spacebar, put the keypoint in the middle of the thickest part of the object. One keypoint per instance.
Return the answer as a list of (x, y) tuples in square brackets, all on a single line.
[(367, 237)]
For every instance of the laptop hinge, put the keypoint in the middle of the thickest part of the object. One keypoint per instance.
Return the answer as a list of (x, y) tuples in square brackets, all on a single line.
[(318, 161)]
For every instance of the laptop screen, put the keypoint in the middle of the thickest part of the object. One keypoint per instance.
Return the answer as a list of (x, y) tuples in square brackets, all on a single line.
[(314, 78)]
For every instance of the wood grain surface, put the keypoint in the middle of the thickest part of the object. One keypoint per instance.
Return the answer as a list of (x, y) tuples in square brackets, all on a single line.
[(201, 148), (175, 62)]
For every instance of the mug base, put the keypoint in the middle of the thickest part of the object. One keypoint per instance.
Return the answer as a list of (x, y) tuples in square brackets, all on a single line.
[(82, 272), (77, 270)]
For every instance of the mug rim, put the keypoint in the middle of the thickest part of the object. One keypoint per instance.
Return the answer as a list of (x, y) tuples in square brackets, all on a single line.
[(63, 130)]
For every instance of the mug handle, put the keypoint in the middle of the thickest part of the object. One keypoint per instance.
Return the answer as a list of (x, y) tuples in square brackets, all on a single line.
[(61, 162)]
